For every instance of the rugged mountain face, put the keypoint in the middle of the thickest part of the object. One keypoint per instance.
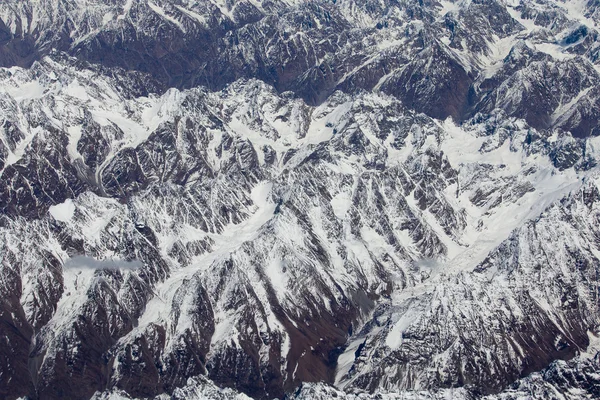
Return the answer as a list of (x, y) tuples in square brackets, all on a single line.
[(441, 58), (309, 199)]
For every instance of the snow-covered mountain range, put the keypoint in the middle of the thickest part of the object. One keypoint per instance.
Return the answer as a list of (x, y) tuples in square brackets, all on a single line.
[(305, 199)]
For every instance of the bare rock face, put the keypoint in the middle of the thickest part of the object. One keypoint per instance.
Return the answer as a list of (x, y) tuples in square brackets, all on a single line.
[(291, 199)]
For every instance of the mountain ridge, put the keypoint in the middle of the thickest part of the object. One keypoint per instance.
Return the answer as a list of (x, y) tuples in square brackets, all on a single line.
[(403, 199)]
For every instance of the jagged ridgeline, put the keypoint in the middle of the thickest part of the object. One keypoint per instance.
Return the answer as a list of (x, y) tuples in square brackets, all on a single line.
[(301, 199)]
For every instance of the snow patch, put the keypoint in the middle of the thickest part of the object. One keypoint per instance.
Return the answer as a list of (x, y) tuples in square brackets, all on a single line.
[(341, 203), (63, 212), (394, 337), (161, 12), (74, 137), (25, 91), (449, 7), (193, 15)]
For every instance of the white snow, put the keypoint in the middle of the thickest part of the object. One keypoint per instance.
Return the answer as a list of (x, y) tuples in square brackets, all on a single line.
[(554, 50), (126, 9), (161, 12), (528, 24), (195, 16), (77, 90), (341, 203), (278, 279), (449, 6), (63, 212), (499, 49), (282, 129), (223, 6), (462, 148), (394, 336), (14, 156), (346, 360), (563, 111), (575, 9), (74, 136), (107, 18), (25, 91), (233, 236)]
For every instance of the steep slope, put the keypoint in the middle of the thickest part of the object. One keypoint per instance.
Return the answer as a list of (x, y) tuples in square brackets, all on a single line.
[(383, 196), (438, 58)]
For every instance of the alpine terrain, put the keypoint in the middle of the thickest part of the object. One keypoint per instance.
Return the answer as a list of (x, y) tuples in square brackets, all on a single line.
[(299, 199)]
